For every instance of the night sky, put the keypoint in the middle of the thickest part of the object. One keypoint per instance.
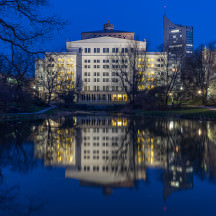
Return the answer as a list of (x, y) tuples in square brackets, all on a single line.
[(145, 18)]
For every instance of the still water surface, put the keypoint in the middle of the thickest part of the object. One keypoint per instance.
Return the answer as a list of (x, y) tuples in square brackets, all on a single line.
[(107, 165)]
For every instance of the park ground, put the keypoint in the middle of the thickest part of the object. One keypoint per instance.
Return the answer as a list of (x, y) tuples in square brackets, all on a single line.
[(203, 113)]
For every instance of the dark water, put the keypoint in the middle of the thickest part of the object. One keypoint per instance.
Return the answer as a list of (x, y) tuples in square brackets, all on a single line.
[(107, 165)]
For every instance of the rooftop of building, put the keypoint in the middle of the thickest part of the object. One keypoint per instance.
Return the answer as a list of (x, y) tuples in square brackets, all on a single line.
[(108, 28)]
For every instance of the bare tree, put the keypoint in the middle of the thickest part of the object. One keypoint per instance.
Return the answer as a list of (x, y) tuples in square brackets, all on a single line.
[(56, 79), (170, 74), (21, 23), (207, 69), (128, 67)]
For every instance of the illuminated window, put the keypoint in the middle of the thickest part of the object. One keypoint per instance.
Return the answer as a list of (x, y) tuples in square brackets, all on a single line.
[(60, 60), (152, 59), (152, 72), (114, 97), (149, 59), (124, 122), (114, 122), (143, 59), (152, 79), (119, 123), (149, 65), (152, 65), (124, 97), (139, 65), (149, 73), (119, 97), (139, 59)]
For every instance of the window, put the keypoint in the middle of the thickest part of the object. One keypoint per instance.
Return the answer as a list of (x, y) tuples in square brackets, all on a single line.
[(114, 50), (105, 74), (124, 50), (114, 97), (87, 50), (106, 61), (105, 79), (105, 66), (105, 50), (96, 50)]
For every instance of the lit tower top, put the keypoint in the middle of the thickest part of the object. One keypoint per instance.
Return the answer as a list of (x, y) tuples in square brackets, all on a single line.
[(178, 39), (108, 31)]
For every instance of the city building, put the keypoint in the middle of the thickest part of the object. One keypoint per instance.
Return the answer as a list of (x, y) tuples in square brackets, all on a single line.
[(178, 40), (97, 66)]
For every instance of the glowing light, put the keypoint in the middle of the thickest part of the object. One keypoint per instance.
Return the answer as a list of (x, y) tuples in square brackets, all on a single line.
[(199, 132), (171, 125)]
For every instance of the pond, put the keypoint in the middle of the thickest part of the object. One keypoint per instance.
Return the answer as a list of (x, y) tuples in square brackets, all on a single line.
[(107, 165)]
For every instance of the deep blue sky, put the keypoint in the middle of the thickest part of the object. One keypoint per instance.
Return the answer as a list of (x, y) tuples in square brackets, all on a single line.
[(145, 18)]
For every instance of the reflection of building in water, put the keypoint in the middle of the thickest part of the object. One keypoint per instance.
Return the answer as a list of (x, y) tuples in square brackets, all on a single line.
[(112, 152), (178, 175), (178, 171), (106, 153), (150, 149), (55, 145)]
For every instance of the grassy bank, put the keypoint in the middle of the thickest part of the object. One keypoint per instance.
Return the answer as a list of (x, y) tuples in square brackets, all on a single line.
[(184, 113)]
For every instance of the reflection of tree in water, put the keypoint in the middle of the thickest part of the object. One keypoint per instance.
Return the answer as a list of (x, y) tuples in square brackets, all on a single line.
[(16, 146), (16, 154), (12, 204)]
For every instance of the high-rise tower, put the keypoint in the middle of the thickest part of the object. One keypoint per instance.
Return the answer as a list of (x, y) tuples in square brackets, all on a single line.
[(178, 40)]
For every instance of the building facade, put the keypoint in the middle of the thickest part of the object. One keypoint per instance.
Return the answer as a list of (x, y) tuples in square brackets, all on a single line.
[(103, 68)]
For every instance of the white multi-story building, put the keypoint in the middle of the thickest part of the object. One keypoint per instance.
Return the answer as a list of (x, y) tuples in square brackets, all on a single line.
[(101, 67)]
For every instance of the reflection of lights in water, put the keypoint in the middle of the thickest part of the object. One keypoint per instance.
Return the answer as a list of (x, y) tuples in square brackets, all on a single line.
[(199, 132), (171, 125)]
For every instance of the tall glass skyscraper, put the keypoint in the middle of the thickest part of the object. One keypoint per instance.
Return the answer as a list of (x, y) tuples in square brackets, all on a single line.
[(178, 40)]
